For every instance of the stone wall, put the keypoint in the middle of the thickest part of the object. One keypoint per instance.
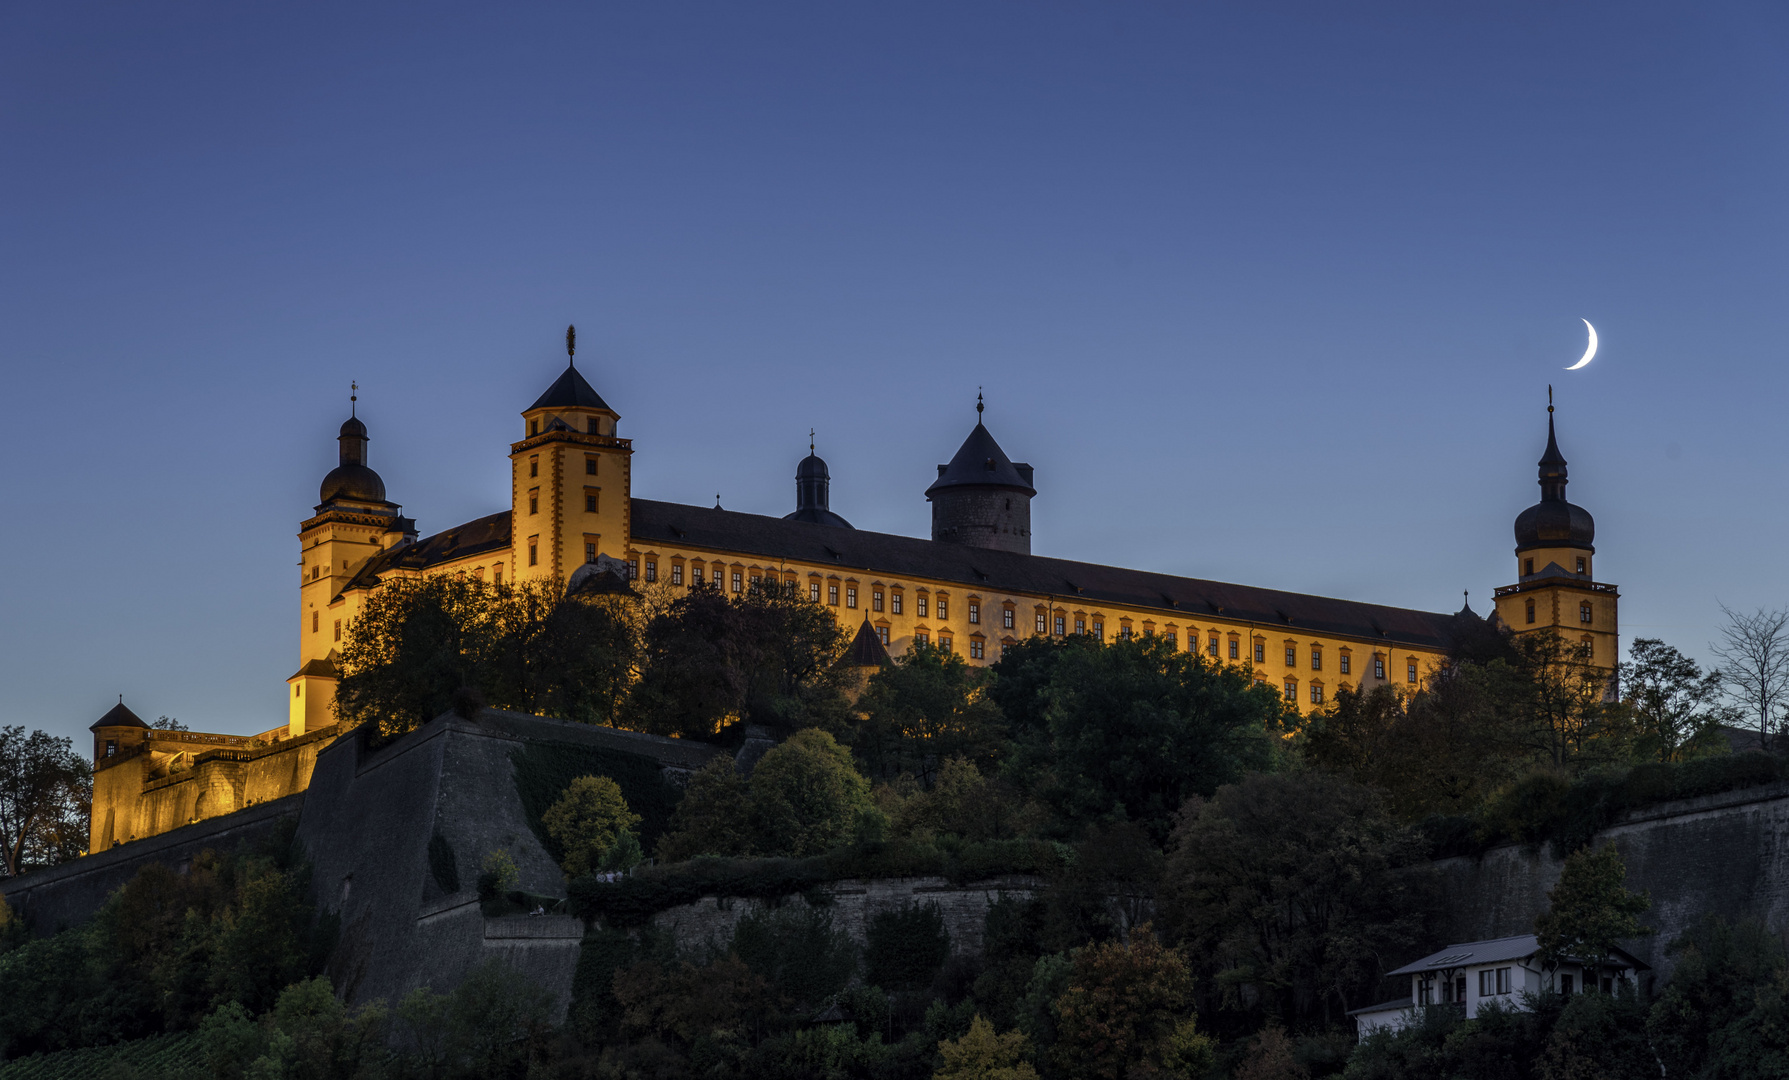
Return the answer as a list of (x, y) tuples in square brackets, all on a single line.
[(1724, 854)]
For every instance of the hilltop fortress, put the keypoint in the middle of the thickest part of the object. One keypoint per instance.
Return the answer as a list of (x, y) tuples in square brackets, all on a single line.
[(974, 587)]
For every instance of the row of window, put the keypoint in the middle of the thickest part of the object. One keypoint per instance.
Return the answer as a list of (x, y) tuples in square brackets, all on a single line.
[(1586, 612), (1583, 566)]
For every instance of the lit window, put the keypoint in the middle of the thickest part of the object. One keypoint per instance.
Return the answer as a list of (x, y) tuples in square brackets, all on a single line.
[(1530, 607), (1006, 619), (651, 570), (1291, 689), (1316, 693), (814, 592), (974, 613), (975, 649), (1291, 656), (1260, 652), (1345, 661), (1040, 622), (875, 599), (1378, 667), (738, 581), (1059, 627), (1410, 671), (1080, 626), (1584, 612), (851, 596), (1316, 658), (920, 600), (589, 552), (832, 595), (943, 608), (676, 573), (895, 603)]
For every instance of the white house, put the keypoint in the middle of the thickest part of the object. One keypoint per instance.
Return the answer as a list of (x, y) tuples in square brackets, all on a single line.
[(1469, 975)]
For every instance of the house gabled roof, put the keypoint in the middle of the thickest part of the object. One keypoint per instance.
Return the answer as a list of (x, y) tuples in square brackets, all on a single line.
[(1494, 951)]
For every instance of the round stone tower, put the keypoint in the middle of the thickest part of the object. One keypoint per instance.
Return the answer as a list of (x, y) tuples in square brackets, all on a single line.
[(982, 498)]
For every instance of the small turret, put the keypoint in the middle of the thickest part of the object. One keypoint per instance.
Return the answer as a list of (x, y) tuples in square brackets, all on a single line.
[(813, 481), (982, 498)]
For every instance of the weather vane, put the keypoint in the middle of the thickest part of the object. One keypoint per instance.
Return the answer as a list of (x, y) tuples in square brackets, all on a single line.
[(810, 440), (571, 344), (978, 403)]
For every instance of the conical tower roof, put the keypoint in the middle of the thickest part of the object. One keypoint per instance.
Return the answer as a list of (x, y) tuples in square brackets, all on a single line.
[(118, 716), (570, 391), (980, 462)]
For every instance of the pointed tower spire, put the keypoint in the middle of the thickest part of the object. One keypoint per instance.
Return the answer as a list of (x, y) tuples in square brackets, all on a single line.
[(1552, 463)]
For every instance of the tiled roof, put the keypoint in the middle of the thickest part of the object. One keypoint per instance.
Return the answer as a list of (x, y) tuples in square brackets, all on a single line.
[(1494, 951), (980, 462), (1070, 584), (489, 533), (866, 648)]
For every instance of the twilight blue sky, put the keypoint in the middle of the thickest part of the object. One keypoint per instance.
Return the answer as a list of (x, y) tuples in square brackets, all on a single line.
[(1267, 292)]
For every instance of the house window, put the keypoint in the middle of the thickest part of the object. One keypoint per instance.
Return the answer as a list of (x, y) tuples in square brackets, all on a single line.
[(974, 612), (851, 596), (738, 581), (633, 569), (316, 625), (813, 592), (1588, 648), (1527, 567), (1291, 656), (895, 603), (920, 638), (1235, 648), (1174, 640), (1211, 646), (756, 578), (1565, 985), (1099, 629), (943, 643), (1316, 693), (533, 428), (497, 574), (943, 608), (976, 649), (875, 599), (112, 744), (589, 464), (1260, 652), (832, 594), (1581, 565), (920, 601), (316, 571), (589, 551), (1530, 607), (534, 500), (590, 502), (1059, 628), (534, 551), (1006, 619), (338, 629), (1316, 658), (1291, 689), (1410, 671), (1584, 612), (1080, 626), (718, 574), (677, 573), (1378, 667), (1345, 662), (882, 635), (534, 465), (591, 429), (651, 569), (1040, 622)]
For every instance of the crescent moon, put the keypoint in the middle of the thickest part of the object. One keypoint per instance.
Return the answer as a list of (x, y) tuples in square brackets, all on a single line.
[(1589, 353)]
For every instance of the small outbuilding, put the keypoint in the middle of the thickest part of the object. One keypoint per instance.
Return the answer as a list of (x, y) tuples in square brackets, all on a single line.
[(1468, 975)]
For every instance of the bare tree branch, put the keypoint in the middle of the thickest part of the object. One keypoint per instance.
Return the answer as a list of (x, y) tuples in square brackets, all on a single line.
[(1754, 655)]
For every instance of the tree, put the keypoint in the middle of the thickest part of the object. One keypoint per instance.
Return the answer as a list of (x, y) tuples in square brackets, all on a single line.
[(588, 820), (962, 802), (708, 819), (806, 796), (767, 656), (1589, 911), (1293, 886), (46, 798), (926, 707), (983, 1055), (1553, 697), (1128, 731), (1127, 1012), (1711, 1019), (1270, 1057), (1754, 655), (1673, 702)]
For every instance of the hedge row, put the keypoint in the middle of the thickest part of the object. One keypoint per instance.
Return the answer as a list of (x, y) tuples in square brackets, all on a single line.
[(1568, 814), (159, 1055), (635, 899)]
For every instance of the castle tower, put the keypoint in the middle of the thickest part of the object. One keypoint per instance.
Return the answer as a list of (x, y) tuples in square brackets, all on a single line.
[(982, 499), (353, 522), (1555, 554), (570, 480), (813, 481)]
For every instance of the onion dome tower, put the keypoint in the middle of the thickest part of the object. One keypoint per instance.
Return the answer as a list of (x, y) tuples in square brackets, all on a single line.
[(813, 481), (1555, 552), (353, 522), (982, 498)]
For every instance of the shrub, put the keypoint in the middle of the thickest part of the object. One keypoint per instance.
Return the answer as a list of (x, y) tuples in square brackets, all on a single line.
[(983, 1055), (544, 770), (796, 949), (806, 796), (906, 947), (587, 821), (708, 820)]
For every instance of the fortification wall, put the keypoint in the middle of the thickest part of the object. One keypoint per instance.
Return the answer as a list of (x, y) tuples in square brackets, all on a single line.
[(1724, 854), (68, 895)]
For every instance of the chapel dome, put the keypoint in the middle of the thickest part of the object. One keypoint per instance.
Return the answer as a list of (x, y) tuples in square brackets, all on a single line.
[(1552, 523), (352, 481)]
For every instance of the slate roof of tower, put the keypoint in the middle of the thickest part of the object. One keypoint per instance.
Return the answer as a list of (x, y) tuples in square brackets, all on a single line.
[(118, 716), (980, 462), (869, 554), (570, 391)]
